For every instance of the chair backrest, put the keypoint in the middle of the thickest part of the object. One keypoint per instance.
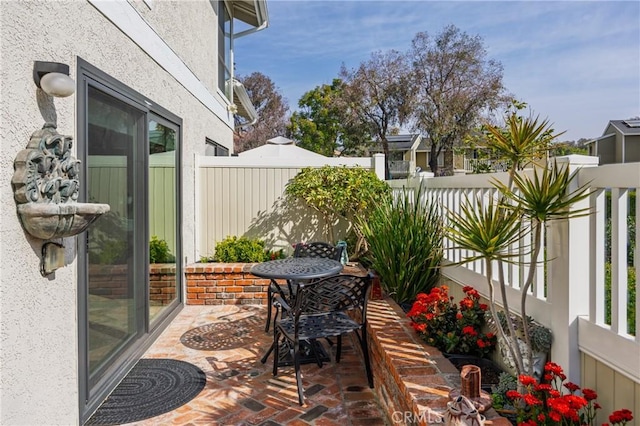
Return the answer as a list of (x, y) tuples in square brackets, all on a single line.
[(336, 293), (318, 249)]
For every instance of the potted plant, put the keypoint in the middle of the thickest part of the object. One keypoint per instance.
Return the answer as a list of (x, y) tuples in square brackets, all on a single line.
[(523, 206), (540, 343)]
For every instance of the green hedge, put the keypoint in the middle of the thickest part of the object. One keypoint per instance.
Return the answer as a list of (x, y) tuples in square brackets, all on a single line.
[(631, 298)]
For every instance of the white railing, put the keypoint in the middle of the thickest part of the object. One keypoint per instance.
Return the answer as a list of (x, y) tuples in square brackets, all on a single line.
[(474, 164), (570, 300)]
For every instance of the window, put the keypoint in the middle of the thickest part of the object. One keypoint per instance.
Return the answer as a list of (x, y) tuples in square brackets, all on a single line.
[(224, 48), (215, 149)]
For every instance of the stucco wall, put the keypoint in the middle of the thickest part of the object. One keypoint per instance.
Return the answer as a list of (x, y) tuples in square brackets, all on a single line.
[(38, 316), (195, 42)]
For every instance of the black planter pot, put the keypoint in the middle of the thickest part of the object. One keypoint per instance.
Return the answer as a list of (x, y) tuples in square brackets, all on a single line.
[(490, 371)]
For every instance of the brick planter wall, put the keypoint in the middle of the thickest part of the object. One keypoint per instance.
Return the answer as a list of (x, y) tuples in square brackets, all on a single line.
[(110, 281), (412, 380), (224, 284), (162, 283)]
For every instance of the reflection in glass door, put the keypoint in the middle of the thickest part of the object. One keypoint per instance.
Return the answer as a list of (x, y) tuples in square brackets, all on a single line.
[(116, 133), (128, 262), (163, 244)]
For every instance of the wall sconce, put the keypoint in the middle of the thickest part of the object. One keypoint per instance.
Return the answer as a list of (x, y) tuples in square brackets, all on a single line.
[(53, 78)]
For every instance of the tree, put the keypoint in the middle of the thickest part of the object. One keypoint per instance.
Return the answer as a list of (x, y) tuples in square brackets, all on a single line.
[(322, 125), (377, 95), (454, 84), (272, 113)]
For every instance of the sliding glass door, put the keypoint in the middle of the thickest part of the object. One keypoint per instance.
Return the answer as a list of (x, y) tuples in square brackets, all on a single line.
[(129, 260), (115, 245)]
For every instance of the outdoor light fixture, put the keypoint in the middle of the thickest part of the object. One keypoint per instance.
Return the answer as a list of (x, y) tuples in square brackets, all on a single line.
[(53, 78)]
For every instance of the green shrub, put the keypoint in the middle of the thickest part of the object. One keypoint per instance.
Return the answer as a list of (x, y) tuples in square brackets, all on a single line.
[(631, 227), (159, 251), (347, 193), (404, 235), (243, 250), (631, 298), (113, 252)]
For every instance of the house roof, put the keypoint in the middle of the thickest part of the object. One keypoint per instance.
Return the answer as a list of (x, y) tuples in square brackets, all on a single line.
[(404, 142), (623, 126), (280, 147)]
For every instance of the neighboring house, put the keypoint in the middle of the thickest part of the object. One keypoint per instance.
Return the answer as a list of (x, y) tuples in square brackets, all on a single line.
[(154, 88), (619, 143), (407, 152)]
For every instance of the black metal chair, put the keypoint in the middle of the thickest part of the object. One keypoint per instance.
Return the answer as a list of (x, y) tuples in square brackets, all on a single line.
[(318, 249), (329, 307), (314, 249)]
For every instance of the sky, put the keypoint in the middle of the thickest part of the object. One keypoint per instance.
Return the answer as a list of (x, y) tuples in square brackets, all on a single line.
[(576, 63)]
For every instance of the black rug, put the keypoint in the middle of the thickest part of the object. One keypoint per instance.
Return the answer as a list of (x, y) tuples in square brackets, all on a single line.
[(152, 387)]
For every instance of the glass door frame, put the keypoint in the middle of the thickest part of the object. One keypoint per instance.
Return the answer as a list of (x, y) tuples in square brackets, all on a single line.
[(90, 396)]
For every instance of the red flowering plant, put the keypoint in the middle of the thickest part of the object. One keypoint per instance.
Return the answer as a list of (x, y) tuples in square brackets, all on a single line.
[(545, 404), (451, 327)]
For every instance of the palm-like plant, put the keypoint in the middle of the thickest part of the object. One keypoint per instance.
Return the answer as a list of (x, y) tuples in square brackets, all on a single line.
[(525, 205)]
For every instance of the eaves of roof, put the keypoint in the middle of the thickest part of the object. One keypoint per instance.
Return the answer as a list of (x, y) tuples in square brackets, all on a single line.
[(251, 12)]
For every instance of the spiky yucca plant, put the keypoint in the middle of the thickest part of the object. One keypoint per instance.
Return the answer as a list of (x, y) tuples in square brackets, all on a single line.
[(525, 205)]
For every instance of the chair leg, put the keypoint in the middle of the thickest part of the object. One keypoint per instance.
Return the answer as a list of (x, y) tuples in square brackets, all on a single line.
[(295, 353), (266, 355), (339, 349), (269, 303), (365, 352), (276, 350)]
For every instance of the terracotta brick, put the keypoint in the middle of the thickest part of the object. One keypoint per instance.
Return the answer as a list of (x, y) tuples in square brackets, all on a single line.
[(207, 296)]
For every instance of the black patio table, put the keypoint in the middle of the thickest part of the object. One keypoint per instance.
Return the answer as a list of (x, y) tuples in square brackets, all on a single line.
[(294, 269), (297, 268)]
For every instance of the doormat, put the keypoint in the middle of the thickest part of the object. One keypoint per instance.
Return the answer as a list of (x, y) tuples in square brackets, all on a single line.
[(152, 387)]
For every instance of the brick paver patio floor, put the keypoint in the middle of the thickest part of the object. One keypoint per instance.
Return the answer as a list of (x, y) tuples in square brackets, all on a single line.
[(227, 342)]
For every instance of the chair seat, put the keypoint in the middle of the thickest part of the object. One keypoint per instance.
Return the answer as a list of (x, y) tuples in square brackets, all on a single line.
[(328, 324)]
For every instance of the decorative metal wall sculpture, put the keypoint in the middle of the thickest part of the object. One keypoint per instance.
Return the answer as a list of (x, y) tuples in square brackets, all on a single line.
[(45, 184)]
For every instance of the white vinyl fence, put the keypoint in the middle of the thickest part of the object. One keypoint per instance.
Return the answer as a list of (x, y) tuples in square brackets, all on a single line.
[(238, 196), (596, 353)]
